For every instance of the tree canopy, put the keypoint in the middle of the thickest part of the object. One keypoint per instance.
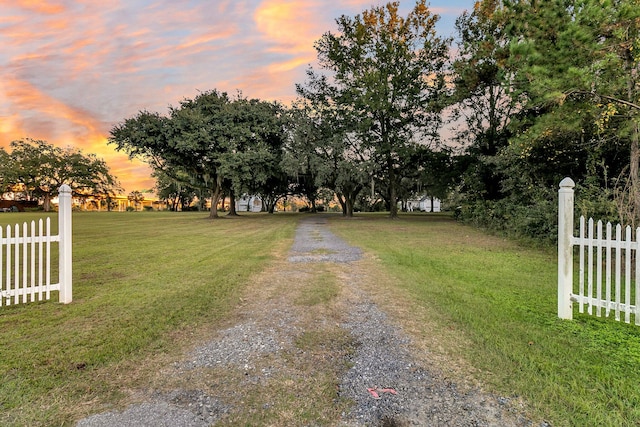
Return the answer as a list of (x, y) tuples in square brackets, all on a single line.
[(567, 77), (211, 142), (386, 81), (36, 169)]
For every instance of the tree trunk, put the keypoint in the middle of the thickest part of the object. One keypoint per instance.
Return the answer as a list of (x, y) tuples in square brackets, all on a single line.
[(634, 168), (215, 198), (349, 207), (348, 199), (232, 204), (343, 203), (269, 203), (393, 191), (634, 161), (47, 202)]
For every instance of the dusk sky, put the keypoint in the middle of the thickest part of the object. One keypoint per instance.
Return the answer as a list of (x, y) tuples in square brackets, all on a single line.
[(70, 70)]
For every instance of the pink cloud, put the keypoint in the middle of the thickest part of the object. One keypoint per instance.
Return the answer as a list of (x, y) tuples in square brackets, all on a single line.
[(291, 26), (37, 6), (79, 124)]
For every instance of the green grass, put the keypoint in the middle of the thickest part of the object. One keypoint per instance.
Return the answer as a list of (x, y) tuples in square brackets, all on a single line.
[(145, 281), (141, 280), (500, 298), (323, 289)]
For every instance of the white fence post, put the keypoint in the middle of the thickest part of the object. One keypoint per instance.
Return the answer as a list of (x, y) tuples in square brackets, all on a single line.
[(565, 248), (64, 230)]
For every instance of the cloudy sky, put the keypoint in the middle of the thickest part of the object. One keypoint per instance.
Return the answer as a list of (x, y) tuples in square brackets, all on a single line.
[(71, 69)]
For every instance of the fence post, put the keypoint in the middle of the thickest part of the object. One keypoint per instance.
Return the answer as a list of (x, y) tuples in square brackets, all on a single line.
[(565, 248), (64, 231)]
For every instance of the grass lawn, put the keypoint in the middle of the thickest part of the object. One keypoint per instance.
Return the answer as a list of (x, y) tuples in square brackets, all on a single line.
[(143, 282), (499, 298)]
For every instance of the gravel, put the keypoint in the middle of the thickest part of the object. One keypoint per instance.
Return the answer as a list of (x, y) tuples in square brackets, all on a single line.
[(385, 382), (238, 345), (413, 396), (315, 243)]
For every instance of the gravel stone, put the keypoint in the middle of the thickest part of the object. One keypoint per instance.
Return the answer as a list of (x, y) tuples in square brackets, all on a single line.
[(153, 414), (315, 243), (238, 346), (383, 361)]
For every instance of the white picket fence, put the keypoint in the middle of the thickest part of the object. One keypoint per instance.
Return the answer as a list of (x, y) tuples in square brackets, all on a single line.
[(25, 258), (609, 265)]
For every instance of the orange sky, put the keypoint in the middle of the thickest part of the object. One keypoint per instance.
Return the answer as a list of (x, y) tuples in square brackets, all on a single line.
[(71, 70)]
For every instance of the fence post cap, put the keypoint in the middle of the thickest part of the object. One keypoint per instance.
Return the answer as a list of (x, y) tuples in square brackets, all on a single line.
[(64, 188), (567, 183)]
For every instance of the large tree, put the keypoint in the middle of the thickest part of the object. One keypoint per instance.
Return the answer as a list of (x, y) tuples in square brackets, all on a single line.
[(387, 77), (568, 71), (302, 159), (40, 168), (186, 145), (216, 143), (256, 130), (322, 154), (579, 63), (484, 98)]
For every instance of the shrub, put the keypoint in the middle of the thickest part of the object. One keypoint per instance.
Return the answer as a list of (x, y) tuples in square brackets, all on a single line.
[(533, 214)]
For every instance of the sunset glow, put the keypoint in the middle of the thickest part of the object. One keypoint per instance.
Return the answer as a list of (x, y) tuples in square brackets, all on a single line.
[(69, 71)]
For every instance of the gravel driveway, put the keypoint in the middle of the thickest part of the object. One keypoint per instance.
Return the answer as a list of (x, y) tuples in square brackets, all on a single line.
[(385, 383)]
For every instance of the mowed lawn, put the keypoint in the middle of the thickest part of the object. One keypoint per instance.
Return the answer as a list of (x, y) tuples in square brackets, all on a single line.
[(500, 299), (144, 283)]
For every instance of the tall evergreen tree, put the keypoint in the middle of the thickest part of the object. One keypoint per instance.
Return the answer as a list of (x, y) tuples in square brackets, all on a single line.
[(579, 65), (484, 97)]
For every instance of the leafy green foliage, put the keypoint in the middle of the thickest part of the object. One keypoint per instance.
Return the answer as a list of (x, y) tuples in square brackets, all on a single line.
[(174, 191), (387, 76), (211, 142), (570, 69), (37, 169), (322, 154), (483, 98), (136, 197)]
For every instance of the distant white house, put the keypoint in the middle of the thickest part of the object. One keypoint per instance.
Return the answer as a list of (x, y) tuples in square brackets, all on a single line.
[(248, 203), (423, 204)]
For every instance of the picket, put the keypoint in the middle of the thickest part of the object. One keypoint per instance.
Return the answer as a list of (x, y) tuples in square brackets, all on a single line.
[(615, 253), (25, 254)]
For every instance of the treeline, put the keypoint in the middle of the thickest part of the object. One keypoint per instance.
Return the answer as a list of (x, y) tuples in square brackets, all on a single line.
[(531, 92), (34, 170), (545, 90)]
